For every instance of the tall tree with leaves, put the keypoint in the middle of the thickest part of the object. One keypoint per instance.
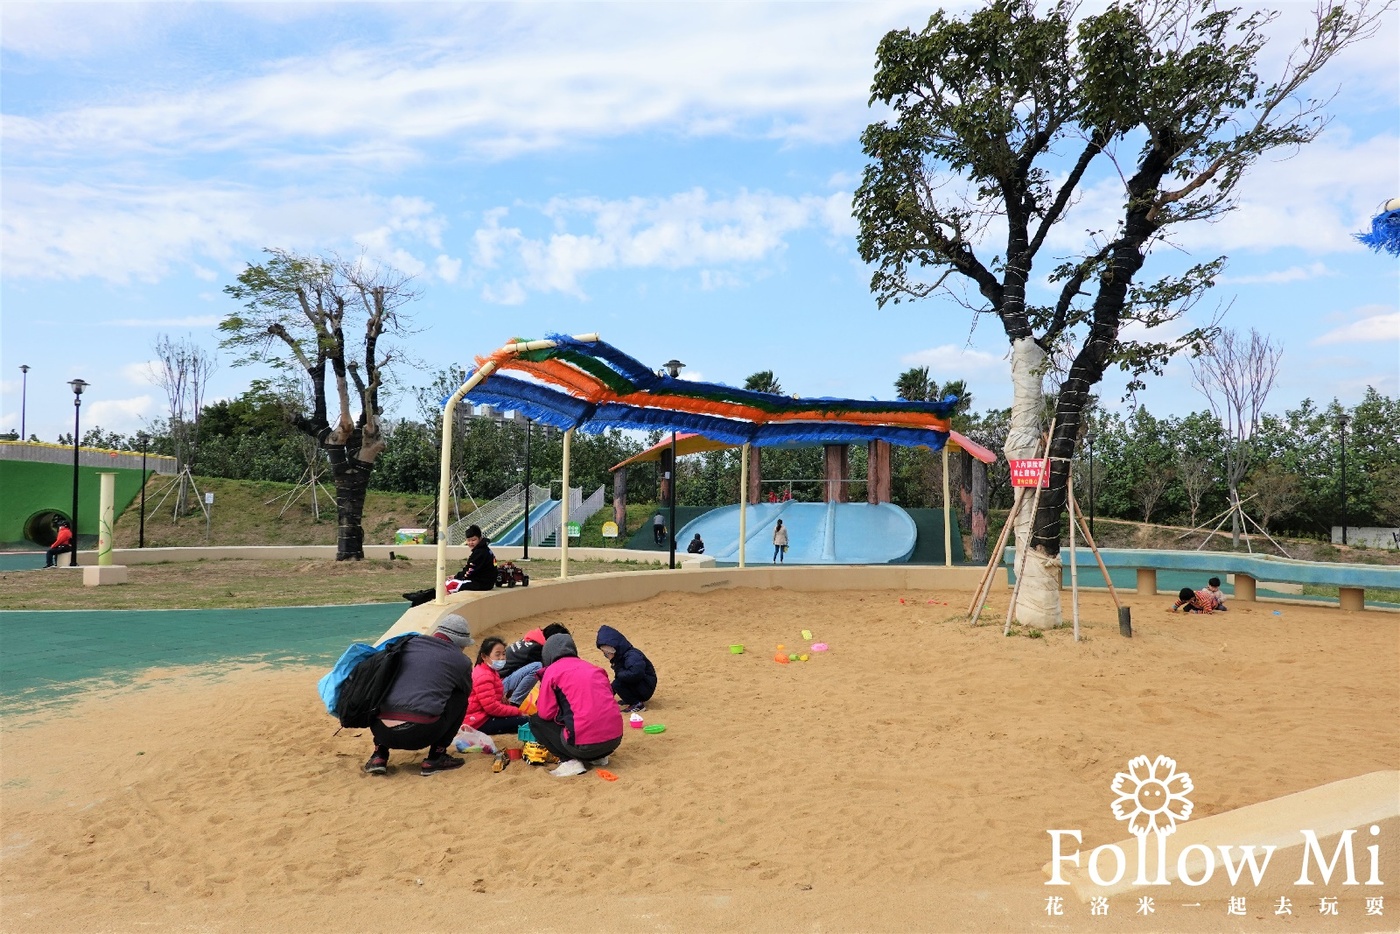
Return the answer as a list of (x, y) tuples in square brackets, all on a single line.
[(303, 313), (1002, 119)]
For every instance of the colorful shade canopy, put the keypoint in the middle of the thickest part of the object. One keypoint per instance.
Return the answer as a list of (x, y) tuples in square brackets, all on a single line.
[(592, 386)]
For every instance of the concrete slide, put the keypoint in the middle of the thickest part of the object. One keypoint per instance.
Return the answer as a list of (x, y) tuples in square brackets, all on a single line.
[(818, 533), (516, 533)]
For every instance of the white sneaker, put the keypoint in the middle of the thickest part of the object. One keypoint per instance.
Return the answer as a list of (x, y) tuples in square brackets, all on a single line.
[(569, 767), (598, 763)]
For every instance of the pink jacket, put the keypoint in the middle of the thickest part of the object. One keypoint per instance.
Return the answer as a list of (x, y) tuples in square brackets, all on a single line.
[(588, 712)]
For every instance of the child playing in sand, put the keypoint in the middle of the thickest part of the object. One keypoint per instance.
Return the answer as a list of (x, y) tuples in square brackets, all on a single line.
[(487, 709), (1194, 601), (521, 672), (1216, 595), (634, 678)]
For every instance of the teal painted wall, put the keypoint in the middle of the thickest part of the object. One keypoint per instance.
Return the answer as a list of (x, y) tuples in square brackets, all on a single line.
[(27, 488)]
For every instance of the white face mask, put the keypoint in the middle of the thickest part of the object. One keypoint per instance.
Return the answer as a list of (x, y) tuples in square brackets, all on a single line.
[(497, 663)]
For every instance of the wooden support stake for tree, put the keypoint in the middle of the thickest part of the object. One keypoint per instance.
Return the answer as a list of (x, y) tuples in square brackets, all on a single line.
[(979, 598), (1073, 559), (1088, 537)]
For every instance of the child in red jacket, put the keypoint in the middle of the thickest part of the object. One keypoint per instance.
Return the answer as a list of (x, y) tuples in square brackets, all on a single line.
[(487, 709)]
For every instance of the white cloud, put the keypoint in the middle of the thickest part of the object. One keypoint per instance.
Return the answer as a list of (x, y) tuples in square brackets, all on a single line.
[(951, 361), (447, 268), (1375, 324), (118, 414), (142, 373), (120, 233), (502, 80), (683, 230), (1280, 276)]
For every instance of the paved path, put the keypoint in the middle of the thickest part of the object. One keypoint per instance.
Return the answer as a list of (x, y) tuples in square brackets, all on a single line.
[(45, 655)]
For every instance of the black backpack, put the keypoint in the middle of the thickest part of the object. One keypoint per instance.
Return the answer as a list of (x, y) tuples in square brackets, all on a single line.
[(367, 686)]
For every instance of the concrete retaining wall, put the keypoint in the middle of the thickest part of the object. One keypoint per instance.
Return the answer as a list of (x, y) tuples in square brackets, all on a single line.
[(427, 554), (494, 608)]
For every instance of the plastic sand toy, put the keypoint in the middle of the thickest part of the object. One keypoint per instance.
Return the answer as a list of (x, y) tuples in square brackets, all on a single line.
[(653, 728), (736, 649), (605, 775), (820, 646)]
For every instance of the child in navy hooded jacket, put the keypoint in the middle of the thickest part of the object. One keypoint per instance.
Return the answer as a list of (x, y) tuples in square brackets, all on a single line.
[(634, 678)]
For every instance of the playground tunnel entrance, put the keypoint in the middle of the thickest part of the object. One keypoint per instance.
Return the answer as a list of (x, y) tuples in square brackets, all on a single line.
[(42, 527)]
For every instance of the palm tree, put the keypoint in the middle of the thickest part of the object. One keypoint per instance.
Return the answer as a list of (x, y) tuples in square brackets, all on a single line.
[(763, 381)]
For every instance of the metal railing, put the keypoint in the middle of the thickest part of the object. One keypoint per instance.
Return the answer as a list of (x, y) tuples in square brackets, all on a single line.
[(497, 515), (580, 511)]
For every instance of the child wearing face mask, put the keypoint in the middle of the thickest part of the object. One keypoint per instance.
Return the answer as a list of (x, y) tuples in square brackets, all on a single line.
[(487, 710)]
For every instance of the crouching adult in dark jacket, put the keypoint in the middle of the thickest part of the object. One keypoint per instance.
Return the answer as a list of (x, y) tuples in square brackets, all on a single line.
[(634, 678), (428, 700)]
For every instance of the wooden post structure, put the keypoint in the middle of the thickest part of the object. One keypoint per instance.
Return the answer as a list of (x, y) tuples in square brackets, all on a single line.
[(620, 501), (877, 472), (1073, 561), (755, 484), (837, 472), (743, 500), (947, 515)]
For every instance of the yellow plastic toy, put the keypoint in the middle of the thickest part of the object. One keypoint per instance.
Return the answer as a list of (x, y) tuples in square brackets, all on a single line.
[(535, 754), (531, 702)]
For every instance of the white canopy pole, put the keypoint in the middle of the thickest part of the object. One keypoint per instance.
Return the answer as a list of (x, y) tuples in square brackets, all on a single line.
[(564, 510), (445, 475)]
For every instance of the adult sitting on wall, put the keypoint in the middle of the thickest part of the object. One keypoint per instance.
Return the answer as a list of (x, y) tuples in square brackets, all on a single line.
[(62, 544), (479, 573), (577, 720), (428, 700)]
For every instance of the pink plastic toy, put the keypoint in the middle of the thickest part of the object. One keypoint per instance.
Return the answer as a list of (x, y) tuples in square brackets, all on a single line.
[(819, 646)]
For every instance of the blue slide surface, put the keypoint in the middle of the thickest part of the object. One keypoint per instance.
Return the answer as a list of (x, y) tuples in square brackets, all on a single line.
[(516, 533), (818, 533)]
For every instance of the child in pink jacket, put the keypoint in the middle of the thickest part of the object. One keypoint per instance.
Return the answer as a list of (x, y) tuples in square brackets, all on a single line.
[(578, 720)]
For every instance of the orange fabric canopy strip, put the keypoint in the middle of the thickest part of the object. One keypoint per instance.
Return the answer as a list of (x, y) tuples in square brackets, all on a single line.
[(586, 386)]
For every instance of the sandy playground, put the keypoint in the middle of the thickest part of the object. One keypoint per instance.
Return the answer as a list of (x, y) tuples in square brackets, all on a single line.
[(903, 781)]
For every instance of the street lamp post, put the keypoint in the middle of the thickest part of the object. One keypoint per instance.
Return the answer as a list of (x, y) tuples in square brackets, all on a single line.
[(141, 536), (673, 369), (1089, 443), (1342, 422), (23, 399), (78, 387), (525, 555)]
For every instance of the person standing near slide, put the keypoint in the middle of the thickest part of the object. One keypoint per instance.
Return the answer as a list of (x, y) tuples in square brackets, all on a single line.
[(780, 543)]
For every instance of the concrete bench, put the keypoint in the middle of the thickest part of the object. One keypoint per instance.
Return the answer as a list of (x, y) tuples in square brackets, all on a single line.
[(1351, 580)]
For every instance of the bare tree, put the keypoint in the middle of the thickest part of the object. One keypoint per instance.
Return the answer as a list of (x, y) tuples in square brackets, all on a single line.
[(1196, 476), (1149, 491), (182, 369), (295, 313), (1236, 376), (1275, 491)]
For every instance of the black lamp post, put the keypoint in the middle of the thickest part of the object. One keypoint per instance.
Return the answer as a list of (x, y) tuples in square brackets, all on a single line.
[(1089, 443), (23, 399), (525, 555), (1342, 421), (78, 387), (673, 369), (141, 537)]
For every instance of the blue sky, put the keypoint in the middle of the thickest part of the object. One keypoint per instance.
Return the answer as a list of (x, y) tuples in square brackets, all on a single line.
[(675, 176)]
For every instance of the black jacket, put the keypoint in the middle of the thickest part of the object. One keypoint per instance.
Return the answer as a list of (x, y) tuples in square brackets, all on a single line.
[(519, 654), (480, 569)]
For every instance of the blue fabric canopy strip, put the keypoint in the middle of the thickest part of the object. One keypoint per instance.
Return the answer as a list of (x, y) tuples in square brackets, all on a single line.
[(560, 410)]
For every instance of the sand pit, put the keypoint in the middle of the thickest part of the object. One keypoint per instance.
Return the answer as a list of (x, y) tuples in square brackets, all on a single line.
[(903, 781)]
